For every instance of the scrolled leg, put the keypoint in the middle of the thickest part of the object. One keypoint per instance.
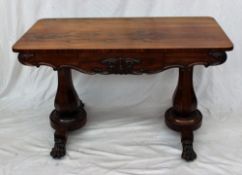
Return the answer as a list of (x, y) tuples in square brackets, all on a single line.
[(69, 113), (184, 116), (59, 149), (188, 152)]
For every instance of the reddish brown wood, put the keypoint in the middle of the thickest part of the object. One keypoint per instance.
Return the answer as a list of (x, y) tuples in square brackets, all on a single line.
[(148, 61), (124, 33), (184, 98), (68, 114), (124, 46), (184, 116)]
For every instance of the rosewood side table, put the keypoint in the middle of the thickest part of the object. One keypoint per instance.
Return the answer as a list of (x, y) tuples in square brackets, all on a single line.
[(124, 46)]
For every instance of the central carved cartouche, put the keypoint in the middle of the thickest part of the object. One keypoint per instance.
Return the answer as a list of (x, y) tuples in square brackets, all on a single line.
[(119, 65)]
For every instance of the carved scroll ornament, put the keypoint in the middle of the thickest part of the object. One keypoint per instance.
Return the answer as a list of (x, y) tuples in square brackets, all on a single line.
[(119, 66)]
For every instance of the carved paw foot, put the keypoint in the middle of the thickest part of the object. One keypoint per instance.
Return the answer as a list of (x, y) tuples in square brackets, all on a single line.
[(188, 153), (59, 149)]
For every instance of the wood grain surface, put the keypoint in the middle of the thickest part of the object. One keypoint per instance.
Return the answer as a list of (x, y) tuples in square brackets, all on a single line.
[(162, 33)]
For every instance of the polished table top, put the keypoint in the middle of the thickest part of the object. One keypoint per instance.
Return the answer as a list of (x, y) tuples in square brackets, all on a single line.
[(159, 33)]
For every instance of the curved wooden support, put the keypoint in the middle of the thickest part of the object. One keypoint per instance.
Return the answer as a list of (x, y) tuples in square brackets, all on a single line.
[(69, 113), (184, 99), (184, 116), (66, 100)]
